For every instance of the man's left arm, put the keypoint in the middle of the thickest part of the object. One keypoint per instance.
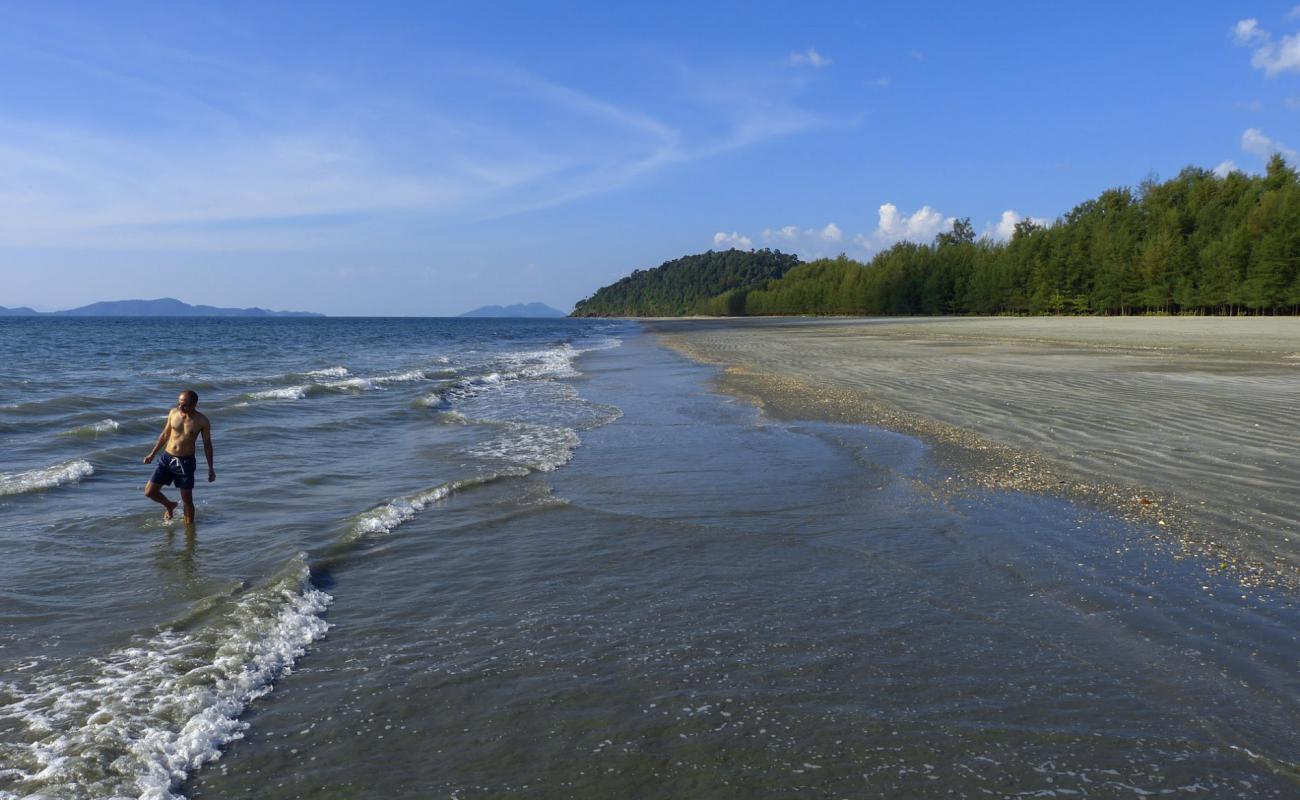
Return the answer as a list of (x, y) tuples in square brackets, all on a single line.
[(207, 450)]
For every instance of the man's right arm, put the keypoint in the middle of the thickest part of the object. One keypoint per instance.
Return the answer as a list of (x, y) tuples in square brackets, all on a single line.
[(162, 439)]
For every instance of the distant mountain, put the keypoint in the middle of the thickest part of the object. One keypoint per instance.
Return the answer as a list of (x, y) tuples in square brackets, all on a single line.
[(162, 307), (532, 310)]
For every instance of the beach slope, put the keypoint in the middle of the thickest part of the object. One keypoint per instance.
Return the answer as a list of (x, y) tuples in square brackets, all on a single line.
[(1188, 423)]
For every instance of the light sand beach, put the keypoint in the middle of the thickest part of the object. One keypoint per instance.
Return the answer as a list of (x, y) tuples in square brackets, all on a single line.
[(1187, 423)]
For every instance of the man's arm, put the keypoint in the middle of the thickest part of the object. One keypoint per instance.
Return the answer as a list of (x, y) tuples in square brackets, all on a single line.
[(162, 439), (207, 449)]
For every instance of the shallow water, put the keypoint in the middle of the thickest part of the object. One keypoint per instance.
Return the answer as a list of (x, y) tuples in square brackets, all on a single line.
[(587, 576)]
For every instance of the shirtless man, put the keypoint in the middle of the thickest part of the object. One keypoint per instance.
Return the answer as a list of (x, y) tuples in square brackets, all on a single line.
[(178, 437)]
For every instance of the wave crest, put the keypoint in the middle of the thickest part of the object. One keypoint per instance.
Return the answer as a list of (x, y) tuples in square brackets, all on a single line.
[(46, 478)]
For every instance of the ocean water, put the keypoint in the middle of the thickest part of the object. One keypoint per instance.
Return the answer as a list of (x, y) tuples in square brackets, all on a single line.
[(484, 558)]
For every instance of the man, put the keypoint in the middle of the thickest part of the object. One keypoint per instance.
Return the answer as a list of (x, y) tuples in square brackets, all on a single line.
[(177, 441)]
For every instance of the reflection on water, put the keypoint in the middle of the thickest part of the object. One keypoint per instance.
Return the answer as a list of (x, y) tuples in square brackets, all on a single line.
[(179, 561)]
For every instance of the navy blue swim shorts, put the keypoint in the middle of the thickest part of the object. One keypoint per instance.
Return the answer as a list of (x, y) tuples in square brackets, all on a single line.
[(174, 469)]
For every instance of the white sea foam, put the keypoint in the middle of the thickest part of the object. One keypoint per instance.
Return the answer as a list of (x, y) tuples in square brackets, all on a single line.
[(466, 387), (328, 372), (45, 478), (389, 516), (409, 376), (540, 447), (351, 384), (139, 721), (392, 514), (285, 393)]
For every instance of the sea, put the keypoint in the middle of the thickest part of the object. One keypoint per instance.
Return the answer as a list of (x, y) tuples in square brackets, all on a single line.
[(478, 558)]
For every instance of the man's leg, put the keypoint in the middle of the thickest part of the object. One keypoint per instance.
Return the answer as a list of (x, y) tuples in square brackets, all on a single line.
[(154, 492), (187, 497)]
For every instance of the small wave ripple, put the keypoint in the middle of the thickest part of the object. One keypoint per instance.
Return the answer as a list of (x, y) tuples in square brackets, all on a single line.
[(139, 721), (347, 384), (44, 478), (95, 428)]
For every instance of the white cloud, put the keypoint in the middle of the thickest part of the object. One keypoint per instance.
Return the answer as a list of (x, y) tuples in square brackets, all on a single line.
[(1225, 168), (1247, 31), (788, 234), (1293, 13), (811, 242), (729, 240), (1292, 103), (893, 226), (879, 83), (1274, 57), (919, 227), (809, 58), (1005, 227), (1255, 142)]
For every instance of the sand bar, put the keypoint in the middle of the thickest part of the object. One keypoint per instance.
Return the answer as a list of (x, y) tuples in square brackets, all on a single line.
[(1189, 423)]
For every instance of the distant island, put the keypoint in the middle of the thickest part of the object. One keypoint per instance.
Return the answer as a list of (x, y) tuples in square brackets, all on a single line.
[(162, 307), (530, 310)]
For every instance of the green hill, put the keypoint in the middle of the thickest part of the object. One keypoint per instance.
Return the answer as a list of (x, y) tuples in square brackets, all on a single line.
[(679, 286)]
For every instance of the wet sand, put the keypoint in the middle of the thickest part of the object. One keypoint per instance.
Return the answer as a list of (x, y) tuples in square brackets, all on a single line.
[(1186, 423)]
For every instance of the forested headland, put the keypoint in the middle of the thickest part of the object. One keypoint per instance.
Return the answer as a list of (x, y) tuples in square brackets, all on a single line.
[(677, 287), (1199, 243)]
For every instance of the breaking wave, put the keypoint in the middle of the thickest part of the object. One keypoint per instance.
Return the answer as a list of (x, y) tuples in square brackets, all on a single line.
[(45, 478), (139, 721)]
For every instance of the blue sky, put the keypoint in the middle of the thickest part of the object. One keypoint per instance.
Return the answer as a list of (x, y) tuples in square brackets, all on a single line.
[(427, 158)]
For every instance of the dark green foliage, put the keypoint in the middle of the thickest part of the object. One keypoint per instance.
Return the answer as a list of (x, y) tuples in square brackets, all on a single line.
[(1195, 244), (709, 283)]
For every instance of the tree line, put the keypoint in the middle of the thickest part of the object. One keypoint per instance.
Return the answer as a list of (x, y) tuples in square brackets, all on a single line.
[(1198, 243)]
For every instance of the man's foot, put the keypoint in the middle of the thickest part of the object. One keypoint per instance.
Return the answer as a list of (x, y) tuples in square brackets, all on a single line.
[(171, 507)]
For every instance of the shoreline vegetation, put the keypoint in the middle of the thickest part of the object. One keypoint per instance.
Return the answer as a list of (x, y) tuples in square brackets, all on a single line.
[(1197, 244), (1175, 423)]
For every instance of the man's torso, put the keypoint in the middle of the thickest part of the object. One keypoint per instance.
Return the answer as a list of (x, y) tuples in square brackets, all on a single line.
[(184, 432)]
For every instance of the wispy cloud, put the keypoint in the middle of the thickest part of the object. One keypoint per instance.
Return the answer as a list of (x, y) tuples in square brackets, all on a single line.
[(1247, 32), (808, 58), (814, 242), (267, 157)]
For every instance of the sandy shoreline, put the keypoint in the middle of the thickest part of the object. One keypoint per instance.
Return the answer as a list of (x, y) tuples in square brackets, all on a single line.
[(1188, 423)]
